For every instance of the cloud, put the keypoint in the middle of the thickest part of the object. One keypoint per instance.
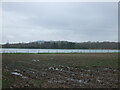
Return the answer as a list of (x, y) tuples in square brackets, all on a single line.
[(60, 21)]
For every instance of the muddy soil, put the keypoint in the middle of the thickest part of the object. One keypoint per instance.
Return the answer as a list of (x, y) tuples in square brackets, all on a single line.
[(25, 72), (66, 77)]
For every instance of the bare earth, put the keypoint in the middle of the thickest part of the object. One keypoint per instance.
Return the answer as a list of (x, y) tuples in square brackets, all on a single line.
[(60, 70)]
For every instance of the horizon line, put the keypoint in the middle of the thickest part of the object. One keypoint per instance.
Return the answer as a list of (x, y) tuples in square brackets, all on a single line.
[(55, 41)]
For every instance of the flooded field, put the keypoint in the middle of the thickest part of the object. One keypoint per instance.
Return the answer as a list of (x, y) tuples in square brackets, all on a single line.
[(15, 50), (60, 70)]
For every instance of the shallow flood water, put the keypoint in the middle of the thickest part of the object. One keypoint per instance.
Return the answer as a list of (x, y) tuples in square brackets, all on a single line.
[(14, 50)]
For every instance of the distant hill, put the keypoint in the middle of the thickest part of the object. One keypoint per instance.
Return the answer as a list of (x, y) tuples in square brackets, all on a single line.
[(63, 45)]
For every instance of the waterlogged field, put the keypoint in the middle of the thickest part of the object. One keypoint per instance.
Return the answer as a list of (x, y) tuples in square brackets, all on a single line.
[(14, 50), (98, 70)]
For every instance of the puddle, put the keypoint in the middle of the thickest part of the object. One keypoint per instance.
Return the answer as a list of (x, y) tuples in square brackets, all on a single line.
[(54, 68), (35, 60), (74, 80), (18, 74), (99, 81), (56, 81)]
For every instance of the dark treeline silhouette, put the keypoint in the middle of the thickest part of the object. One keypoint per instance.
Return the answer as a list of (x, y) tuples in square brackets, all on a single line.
[(63, 45)]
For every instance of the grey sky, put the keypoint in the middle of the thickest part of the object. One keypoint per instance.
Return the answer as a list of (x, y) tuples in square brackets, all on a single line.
[(90, 21)]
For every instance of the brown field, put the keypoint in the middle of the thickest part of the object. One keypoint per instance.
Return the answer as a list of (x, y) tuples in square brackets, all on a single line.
[(60, 70)]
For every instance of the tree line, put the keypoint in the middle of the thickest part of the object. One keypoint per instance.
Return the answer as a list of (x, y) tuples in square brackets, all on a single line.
[(63, 45)]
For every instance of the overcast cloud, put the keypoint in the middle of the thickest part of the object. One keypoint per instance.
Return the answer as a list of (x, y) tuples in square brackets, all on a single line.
[(23, 22)]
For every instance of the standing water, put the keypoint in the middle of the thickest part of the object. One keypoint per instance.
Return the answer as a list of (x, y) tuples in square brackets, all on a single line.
[(13, 50)]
